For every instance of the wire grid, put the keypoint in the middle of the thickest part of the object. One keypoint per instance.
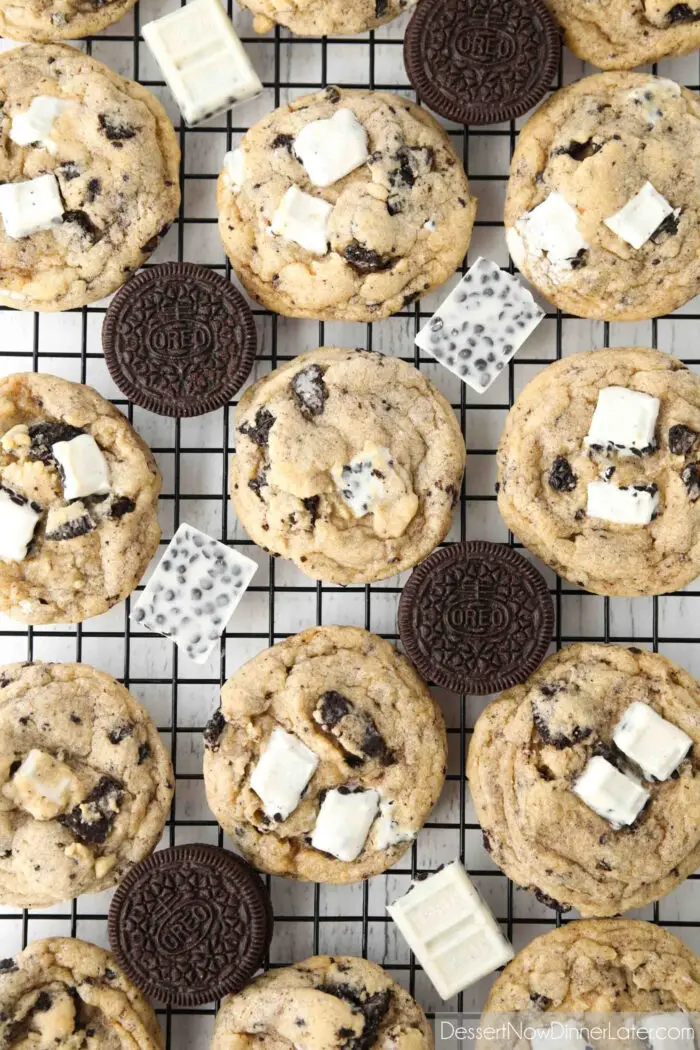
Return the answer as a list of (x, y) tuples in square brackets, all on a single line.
[(193, 456)]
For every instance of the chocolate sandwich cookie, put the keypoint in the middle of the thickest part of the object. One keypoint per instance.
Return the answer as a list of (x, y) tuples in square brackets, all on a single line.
[(337, 1003), (191, 924), (586, 782), (476, 617), (179, 340), (326, 756), (67, 994), (482, 61)]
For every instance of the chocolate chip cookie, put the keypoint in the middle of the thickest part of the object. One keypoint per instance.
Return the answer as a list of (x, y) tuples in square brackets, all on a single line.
[(603, 200), (325, 17), (89, 178), (613, 517), (47, 20), (323, 1002), (85, 783), (326, 756), (78, 501), (347, 462), (601, 965), (532, 744), (621, 34), (344, 205), (65, 993)]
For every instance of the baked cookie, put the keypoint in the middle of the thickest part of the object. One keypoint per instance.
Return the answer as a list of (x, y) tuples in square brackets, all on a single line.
[(347, 462), (47, 20), (599, 471), (531, 746), (344, 205), (603, 204), (89, 177), (325, 17), (85, 783), (65, 993), (600, 966), (332, 1003), (326, 757), (622, 34), (78, 501)]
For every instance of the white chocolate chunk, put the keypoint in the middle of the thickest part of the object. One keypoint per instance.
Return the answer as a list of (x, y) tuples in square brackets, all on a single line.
[(641, 216), (42, 786), (611, 794), (18, 519), (202, 60), (27, 207), (672, 1031), (624, 420), (387, 831), (234, 169), (450, 930), (83, 467), (343, 822), (282, 772), (658, 747), (481, 325), (564, 1035), (303, 219), (331, 149), (33, 126), (194, 591), (622, 506), (550, 231), (374, 483)]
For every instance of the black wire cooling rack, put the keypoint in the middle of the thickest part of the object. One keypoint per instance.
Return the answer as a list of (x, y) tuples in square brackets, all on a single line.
[(193, 456)]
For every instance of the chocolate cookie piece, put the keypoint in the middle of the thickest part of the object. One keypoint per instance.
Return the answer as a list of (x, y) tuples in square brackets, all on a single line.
[(179, 340), (481, 61), (476, 618), (190, 924)]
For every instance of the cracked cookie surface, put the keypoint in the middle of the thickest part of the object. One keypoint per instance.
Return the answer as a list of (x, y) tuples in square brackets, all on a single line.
[(101, 543), (329, 1003), (67, 994), (363, 711), (621, 34), (44, 21), (400, 225), (85, 783), (115, 157), (325, 17), (534, 741), (600, 965), (347, 462), (544, 467), (597, 143)]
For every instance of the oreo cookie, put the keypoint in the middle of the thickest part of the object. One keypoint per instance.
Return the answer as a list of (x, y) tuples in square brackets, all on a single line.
[(190, 924), (482, 61), (179, 340), (476, 618)]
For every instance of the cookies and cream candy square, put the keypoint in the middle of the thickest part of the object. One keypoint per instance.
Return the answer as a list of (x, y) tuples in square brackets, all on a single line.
[(622, 505), (42, 786), (481, 325), (202, 59), (30, 206), (549, 231), (83, 467), (450, 930), (330, 149), (669, 1031), (344, 821), (624, 420), (234, 168), (282, 772), (34, 125), (302, 218), (641, 216), (18, 520), (656, 745), (373, 482), (610, 793)]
